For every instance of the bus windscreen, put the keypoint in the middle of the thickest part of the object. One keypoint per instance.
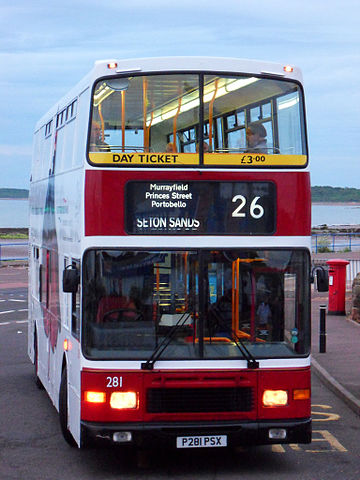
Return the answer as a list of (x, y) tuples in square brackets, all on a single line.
[(164, 120), (212, 298)]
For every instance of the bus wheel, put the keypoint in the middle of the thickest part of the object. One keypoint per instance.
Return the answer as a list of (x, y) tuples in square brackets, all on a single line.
[(63, 410), (38, 382)]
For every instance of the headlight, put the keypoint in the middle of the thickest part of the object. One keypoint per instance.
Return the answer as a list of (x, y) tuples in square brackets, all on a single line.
[(275, 398), (123, 400)]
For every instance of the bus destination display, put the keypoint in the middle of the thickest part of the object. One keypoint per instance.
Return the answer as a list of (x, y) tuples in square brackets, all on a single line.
[(200, 208)]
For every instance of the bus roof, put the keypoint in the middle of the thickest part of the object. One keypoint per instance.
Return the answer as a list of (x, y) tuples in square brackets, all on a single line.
[(220, 64)]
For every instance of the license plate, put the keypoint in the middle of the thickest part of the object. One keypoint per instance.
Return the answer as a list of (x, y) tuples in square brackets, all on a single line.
[(204, 441)]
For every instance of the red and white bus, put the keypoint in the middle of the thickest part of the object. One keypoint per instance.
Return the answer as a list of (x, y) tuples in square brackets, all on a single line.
[(169, 297)]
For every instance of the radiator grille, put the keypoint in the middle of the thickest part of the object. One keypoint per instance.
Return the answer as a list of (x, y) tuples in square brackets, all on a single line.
[(177, 400)]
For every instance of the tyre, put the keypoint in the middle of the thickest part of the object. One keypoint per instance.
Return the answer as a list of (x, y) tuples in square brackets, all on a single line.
[(63, 410)]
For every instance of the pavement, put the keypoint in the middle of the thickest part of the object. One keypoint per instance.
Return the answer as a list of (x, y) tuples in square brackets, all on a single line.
[(338, 367)]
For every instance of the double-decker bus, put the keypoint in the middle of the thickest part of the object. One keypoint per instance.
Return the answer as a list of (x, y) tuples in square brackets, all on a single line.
[(169, 298)]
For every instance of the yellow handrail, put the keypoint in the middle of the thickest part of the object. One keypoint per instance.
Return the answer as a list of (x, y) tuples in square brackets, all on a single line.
[(101, 122), (175, 126)]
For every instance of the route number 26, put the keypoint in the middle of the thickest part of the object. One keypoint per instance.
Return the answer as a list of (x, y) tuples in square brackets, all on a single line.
[(256, 210)]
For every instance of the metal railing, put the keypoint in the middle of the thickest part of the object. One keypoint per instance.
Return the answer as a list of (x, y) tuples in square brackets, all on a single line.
[(351, 271), (335, 242), (10, 256), (321, 242)]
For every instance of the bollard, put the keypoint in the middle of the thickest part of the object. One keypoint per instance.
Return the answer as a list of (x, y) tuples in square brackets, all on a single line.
[(322, 330)]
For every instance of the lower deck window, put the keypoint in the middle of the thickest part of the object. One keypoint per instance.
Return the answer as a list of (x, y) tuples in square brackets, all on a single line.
[(200, 303)]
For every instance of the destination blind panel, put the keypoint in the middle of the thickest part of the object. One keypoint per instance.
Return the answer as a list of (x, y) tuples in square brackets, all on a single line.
[(200, 208)]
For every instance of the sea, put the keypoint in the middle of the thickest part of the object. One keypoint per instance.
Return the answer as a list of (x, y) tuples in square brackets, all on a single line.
[(15, 214), (335, 214)]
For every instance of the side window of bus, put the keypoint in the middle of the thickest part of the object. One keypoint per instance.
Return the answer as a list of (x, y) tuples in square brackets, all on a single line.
[(75, 306), (37, 272), (40, 282), (44, 278)]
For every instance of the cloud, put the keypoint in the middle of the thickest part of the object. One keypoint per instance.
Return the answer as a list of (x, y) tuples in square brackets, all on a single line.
[(47, 47), (15, 169), (15, 150)]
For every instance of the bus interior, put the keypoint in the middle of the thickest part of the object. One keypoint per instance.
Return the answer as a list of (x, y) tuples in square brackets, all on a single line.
[(211, 299), (146, 114)]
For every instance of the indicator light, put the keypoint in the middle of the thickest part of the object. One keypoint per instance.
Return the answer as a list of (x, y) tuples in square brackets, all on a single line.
[(288, 69), (123, 400), (112, 65), (67, 345), (275, 398), (95, 397), (301, 394)]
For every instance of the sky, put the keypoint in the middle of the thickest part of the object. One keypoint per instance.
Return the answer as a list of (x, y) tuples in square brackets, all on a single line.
[(47, 46)]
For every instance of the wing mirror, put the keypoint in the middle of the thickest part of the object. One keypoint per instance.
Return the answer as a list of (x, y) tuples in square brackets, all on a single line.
[(71, 279), (321, 277)]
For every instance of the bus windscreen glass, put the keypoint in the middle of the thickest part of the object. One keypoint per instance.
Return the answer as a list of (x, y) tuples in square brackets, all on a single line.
[(212, 298), (163, 120)]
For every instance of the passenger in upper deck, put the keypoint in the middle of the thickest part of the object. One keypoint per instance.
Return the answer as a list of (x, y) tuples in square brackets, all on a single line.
[(205, 148), (96, 142), (256, 138), (170, 148)]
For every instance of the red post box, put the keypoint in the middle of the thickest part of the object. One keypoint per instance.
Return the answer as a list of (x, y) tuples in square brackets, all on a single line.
[(337, 286)]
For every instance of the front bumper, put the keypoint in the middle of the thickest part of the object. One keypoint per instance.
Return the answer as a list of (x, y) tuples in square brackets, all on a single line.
[(164, 434)]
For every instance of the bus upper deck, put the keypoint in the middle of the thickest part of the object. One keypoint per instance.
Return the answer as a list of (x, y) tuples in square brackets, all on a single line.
[(179, 112), (206, 118)]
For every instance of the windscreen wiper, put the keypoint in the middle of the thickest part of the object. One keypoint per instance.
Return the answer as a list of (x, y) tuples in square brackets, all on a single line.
[(149, 364), (251, 360)]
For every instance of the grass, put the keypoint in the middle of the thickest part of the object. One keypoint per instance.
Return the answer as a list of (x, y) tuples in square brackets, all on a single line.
[(13, 236)]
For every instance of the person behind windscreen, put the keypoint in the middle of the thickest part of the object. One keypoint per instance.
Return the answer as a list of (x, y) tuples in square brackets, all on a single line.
[(256, 138), (264, 315)]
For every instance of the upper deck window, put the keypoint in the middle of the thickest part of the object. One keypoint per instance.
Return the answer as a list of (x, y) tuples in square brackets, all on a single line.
[(191, 120)]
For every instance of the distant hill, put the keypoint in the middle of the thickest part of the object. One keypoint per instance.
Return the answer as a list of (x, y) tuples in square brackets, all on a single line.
[(335, 194), (318, 194), (14, 193)]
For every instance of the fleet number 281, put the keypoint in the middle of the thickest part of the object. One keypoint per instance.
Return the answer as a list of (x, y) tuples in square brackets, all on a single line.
[(113, 382)]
